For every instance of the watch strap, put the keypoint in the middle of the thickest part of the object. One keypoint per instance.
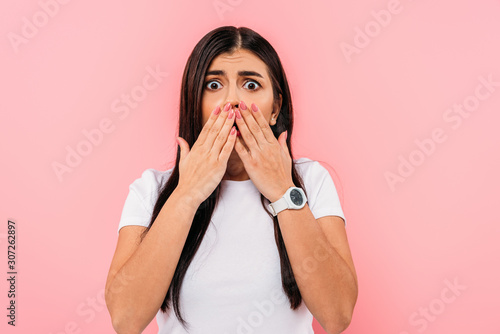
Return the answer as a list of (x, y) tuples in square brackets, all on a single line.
[(278, 206)]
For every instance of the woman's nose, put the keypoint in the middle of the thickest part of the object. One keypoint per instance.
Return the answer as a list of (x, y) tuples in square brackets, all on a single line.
[(232, 104), (233, 97), (229, 104)]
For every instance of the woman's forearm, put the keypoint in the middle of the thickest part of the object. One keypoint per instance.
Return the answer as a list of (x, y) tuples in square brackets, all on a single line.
[(138, 289)]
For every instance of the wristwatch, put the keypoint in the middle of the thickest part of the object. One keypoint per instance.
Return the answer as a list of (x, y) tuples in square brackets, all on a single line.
[(294, 198)]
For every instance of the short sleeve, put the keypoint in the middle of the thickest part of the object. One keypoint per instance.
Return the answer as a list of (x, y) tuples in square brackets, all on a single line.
[(323, 199), (138, 207)]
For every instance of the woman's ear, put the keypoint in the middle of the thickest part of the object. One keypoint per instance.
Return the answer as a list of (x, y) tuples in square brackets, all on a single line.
[(275, 113)]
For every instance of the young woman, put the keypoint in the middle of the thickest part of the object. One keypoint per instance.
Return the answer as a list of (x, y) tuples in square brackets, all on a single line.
[(237, 236)]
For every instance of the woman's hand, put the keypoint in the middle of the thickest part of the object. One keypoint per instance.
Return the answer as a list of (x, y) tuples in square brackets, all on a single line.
[(267, 160), (202, 167)]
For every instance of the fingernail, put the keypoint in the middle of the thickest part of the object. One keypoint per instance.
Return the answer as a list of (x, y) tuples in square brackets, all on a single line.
[(228, 105), (243, 106), (238, 114), (254, 107), (217, 110), (231, 114)]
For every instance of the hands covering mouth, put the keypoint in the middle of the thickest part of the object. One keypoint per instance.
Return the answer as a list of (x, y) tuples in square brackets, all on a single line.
[(238, 133)]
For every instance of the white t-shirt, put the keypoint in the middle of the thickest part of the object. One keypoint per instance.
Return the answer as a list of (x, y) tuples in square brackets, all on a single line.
[(233, 285)]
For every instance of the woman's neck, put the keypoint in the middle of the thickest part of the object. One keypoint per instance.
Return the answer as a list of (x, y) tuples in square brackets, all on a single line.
[(235, 170)]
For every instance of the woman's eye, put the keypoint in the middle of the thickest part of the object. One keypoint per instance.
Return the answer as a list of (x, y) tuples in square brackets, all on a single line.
[(212, 85), (253, 84)]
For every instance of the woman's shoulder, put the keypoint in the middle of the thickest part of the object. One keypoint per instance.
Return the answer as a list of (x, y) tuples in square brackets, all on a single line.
[(150, 180), (307, 165), (303, 161), (310, 170)]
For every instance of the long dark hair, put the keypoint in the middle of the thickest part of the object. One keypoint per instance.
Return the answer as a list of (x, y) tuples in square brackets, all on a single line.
[(225, 39)]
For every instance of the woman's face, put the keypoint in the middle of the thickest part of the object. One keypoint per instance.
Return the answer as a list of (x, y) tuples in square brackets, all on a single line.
[(241, 76)]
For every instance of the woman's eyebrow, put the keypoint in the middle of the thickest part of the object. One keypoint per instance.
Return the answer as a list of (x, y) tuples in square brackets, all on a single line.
[(240, 73)]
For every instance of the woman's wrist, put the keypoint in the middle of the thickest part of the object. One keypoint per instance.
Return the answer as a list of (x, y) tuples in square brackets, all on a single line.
[(186, 198)]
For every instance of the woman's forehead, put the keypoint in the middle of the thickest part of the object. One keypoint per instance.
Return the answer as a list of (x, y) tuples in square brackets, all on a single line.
[(241, 60)]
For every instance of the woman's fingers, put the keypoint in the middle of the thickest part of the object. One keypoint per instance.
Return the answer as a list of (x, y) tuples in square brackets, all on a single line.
[(215, 129), (184, 147), (206, 128), (203, 166), (228, 146), (222, 135), (213, 124)]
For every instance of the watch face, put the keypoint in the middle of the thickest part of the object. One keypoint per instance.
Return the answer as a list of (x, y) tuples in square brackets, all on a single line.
[(296, 197)]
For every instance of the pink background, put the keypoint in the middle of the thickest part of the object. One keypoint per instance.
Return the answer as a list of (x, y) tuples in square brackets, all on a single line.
[(360, 114)]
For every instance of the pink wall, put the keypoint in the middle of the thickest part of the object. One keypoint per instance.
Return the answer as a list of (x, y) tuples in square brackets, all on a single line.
[(374, 83)]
